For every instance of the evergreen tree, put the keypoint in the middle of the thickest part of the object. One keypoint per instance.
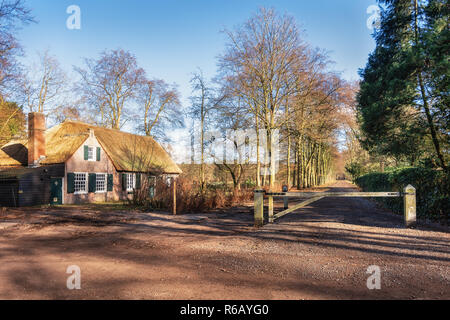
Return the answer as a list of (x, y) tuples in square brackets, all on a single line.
[(397, 115), (434, 51)]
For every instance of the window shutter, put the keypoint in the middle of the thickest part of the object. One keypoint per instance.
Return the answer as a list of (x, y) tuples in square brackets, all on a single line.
[(70, 182), (92, 182), (124, 181), (86, 152), (138, 180), (110, 182), (98, 153)]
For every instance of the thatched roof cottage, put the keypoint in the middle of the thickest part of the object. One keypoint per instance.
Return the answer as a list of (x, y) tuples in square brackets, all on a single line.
[(75, 162)]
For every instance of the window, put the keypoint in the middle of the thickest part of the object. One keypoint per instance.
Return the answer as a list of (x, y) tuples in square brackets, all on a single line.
[(91, 153), (100, 182), (151, 186), (80, 182), (130, 181)]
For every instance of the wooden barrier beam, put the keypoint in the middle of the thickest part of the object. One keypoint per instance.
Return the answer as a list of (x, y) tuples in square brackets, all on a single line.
[(336, 194), (408, 194), (298, 206), (174, 196)]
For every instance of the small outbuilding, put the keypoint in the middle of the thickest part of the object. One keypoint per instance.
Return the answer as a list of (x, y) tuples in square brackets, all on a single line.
[(75, 162)]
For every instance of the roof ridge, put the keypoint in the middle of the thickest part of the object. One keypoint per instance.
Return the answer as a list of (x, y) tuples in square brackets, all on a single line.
[(105, 128)]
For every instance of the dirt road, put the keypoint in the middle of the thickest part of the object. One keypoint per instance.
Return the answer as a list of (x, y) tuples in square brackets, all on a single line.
[(319, 252)]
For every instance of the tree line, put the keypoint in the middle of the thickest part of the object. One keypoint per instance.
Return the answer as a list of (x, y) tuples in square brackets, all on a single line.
[(270, 79)]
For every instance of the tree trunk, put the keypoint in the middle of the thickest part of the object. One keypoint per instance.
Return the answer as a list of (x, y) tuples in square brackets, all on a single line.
[(202, 163), (269, 139), (426, 106), (288, 162), (294, 183), (258, 159)]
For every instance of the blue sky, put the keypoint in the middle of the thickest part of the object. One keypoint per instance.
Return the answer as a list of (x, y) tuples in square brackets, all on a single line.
[(172, 38)]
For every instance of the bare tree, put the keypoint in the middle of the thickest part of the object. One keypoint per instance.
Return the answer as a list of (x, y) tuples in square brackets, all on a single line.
[(43, 85), (230, 116), (260, 59), (240, 102), (315, 121), (67, 112), (13, 14), (285, 85), (161, 107), (110, 84), (202, 101)]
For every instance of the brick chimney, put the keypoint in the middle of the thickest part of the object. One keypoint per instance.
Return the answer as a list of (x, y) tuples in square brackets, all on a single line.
[(36, 138)]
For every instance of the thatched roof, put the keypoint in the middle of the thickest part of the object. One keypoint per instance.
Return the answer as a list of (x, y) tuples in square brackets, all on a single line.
[(128, 152)]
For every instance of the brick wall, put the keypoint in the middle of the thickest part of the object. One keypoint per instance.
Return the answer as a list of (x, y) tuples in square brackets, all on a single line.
[(77, 164)]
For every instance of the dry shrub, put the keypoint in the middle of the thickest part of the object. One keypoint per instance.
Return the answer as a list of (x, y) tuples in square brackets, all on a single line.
[(190, 198), (278, 187), (242, 196)]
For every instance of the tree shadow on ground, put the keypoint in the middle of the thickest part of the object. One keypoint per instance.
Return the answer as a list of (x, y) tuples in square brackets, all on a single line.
[(138, 239)]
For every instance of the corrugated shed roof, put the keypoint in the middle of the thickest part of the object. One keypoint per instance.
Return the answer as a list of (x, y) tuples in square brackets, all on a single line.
[(128, 152)]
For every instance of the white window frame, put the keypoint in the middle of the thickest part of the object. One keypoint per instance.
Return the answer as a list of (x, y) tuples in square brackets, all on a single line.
[(93, 153), (133, 181), (106, 182), (86, 182)]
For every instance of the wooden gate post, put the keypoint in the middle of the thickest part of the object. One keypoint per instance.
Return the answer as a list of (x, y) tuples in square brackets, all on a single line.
[(409, 205), (285, 199), (174, 195), (259, 208), (270, 209), (286, 202)]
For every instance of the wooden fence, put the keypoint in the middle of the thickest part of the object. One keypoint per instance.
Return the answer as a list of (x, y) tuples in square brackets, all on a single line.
[(408, 194)]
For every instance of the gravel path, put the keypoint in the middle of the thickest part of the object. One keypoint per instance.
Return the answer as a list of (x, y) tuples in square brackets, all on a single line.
[(318, 252)]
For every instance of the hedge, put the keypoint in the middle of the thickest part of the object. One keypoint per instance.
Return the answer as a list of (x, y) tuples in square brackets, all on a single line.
[(432, 190)]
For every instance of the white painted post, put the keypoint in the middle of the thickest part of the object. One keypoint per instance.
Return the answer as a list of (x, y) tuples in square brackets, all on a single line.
[(286, 203), (270, 209), (409, 206), (174, 196), (259, 208)]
